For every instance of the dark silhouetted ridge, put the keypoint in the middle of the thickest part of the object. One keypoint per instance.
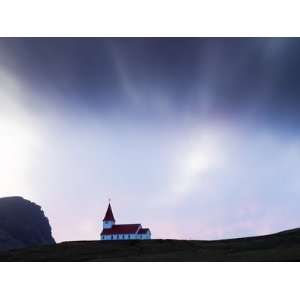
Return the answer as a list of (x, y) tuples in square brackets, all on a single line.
[(282, 246)]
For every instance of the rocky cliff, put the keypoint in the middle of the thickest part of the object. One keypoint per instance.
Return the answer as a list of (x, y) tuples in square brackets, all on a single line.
[(22, 224)]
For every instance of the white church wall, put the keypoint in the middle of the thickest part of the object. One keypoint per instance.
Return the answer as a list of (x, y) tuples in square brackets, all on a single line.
[(146, 236), (108, 224)]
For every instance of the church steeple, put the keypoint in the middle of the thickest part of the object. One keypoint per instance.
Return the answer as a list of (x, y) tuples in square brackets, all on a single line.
[(109, 219)]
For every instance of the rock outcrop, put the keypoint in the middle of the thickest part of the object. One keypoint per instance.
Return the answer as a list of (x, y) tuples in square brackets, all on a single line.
[(22, 224)]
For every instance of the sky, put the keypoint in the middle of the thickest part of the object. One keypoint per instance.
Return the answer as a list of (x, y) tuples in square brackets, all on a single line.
[(195, 138)]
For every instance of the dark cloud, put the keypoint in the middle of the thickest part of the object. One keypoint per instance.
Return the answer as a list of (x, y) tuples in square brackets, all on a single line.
[(258, 76)]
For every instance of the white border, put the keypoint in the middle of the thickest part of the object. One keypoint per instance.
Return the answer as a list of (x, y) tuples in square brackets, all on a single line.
[(149, 18), (135, 281)]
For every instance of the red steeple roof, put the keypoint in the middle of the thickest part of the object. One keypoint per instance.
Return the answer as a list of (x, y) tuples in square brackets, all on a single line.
[(109, 214)]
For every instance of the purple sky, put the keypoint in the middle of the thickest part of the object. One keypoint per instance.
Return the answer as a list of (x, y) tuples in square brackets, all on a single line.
[(194, 138)]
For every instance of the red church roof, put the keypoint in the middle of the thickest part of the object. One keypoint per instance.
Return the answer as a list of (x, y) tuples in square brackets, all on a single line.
[(109, 214), (122, 229)]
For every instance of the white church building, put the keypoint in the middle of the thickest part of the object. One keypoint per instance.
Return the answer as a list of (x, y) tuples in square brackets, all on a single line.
[(112, 231)]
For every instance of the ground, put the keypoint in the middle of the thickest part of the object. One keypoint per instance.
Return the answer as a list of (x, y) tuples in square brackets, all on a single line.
[(284, 246)]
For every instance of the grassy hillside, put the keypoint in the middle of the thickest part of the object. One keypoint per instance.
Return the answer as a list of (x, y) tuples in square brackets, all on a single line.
[(283, 246)]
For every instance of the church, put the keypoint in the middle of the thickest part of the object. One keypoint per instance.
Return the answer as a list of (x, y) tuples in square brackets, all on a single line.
[(112, 231)]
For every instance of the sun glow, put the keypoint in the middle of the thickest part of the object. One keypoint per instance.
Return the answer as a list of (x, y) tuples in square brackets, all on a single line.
[(18, 137), (201, 155)]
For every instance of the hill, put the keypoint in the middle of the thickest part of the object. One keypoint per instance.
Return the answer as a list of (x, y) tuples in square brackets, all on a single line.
[(22, 224), (283, 246)]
